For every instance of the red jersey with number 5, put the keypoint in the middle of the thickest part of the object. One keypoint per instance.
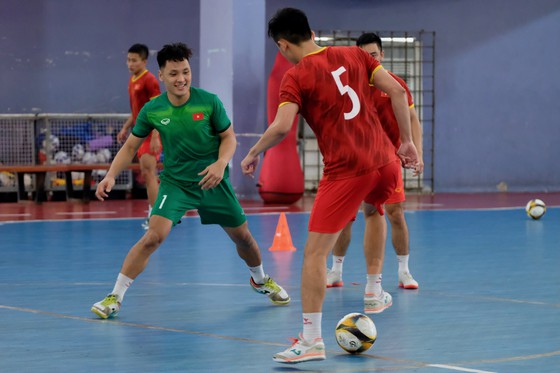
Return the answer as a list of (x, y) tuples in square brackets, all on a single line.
[(141, 90), (331, 88)]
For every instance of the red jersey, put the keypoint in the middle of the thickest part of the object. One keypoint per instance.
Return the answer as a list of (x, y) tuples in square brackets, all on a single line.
[(385, 111), (331, 88), (141, 90)]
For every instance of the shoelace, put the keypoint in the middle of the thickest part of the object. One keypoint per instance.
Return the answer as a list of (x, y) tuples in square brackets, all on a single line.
[(110, 299), (294, 341)]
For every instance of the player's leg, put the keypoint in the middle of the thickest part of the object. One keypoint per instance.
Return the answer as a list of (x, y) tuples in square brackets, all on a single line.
[(333, 208), (400, 240), (375, 298), (309, 345), (384, 180), (334, 274), (220, 206), (248, 250), (169, 208), (134, 264)]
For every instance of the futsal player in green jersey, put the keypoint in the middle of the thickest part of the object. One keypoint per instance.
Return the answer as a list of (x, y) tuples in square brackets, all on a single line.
[(199, 141)]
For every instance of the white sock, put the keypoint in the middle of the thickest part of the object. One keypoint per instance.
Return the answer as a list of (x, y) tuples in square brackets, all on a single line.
[(374, 284), (121, 286), (403, 263), (257, 273), (312, 326), (337, 262)]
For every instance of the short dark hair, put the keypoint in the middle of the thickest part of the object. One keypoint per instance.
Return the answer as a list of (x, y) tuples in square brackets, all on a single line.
[(141, 50), (369, 38), (290, 24), (173, 52)]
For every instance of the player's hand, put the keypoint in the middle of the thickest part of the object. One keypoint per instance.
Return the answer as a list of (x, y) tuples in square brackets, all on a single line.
[(213, 175), (104, 188), (408, 155), (122, 136), (419, 168), (249, 165)]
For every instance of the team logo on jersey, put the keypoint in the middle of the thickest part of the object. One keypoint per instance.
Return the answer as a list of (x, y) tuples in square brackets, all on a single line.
[(198, 116), (165, 121)]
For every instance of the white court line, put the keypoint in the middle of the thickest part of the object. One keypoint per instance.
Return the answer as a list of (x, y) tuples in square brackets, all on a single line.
[(452, 367), (86, 213)]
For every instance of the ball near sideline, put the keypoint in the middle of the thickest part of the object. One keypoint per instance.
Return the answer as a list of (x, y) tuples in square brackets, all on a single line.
[(535, 208), (355, 333)]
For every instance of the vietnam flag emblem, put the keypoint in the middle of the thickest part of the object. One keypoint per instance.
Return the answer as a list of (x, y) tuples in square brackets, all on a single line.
[(198, 116)]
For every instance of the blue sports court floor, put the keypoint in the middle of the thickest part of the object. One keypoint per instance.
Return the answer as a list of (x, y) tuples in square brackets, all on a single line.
[(489, 298)]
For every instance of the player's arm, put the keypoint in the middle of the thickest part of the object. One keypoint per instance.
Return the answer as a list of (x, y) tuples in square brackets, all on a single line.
[(123, 133), (155, 142), (214, 173), (399, 102), (275, 133), (417, 136), (121, 161)]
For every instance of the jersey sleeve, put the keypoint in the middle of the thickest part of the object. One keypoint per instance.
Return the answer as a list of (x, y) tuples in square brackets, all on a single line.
[(372, 65), (408, 94), (152, 87), (290, 90), (219, 119), (142, 128)]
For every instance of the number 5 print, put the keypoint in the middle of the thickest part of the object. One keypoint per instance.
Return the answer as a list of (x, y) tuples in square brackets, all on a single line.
[(343, 89)]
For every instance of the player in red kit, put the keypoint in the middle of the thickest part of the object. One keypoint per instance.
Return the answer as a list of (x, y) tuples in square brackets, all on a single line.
[(372, 44), (330, 88), (142, 87)]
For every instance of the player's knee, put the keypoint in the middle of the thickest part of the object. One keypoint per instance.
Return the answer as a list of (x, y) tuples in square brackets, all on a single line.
[(395, 213), (151, 241)]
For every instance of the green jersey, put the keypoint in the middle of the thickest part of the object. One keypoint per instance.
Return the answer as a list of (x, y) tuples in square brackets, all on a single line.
[(189, 133)]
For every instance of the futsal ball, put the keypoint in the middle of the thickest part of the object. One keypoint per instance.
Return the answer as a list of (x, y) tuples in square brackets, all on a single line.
[(535, 208), (78, 152), (103, 155), (355, 333), (89, 158), (61, 157), (51, 144)]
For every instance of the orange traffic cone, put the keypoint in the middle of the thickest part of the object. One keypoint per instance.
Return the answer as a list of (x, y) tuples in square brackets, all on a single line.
[(282, 238)]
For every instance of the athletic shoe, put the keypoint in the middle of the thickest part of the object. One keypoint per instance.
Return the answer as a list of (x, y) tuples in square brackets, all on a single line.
[(108, 307), (376, 304), (146, 224), (406, 281), (302, 350), (334, 279), (274, 291)]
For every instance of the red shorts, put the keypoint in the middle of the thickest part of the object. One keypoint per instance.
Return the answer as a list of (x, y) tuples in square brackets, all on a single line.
[(145, 148), (337, 201), (398, 193)]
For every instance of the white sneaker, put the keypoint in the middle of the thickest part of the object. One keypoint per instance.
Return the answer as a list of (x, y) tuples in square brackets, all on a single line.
[(376, 304), (302, 350), (334, 279), (406, 281)]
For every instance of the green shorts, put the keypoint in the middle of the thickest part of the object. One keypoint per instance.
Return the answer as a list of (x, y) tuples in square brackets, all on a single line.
[(215, 206)]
